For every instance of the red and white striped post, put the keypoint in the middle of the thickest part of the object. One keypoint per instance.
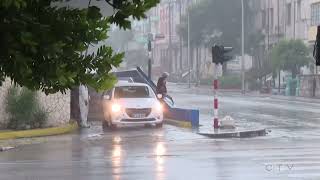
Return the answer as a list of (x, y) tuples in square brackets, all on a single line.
[(215, 101)]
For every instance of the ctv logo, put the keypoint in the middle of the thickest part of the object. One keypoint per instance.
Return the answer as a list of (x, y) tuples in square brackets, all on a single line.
[(278, 167)]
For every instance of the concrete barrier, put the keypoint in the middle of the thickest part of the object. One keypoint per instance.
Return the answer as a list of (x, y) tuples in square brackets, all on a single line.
[(184, 117)]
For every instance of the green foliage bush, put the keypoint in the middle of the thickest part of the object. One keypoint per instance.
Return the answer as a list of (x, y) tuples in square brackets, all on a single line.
[(225, 82), (230, 82), (24, 109), (206, 81)]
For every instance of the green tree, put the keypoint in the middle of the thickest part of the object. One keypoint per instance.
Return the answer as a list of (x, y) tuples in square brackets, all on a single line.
[(290, 55), (219, 22), (43, 43)]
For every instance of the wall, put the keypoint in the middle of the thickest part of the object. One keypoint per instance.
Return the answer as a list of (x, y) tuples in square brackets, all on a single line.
[(306, 85), (57, 105)]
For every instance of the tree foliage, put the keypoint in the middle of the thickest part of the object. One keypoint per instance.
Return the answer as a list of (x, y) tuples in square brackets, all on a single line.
[(43, 43), (290, 55)]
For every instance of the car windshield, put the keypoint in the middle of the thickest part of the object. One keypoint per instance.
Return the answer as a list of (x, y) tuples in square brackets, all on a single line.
[(132, 92)]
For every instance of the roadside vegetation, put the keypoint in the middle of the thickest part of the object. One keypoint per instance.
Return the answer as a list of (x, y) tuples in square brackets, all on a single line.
[(24, 109)]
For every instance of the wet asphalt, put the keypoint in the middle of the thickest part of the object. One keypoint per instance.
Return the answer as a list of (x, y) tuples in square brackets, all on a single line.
[(290, 151)]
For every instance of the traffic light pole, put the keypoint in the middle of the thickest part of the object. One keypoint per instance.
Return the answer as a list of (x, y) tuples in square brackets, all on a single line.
[(218, 57), (149, 67), (215, 101), (149, 59), (243, 88)]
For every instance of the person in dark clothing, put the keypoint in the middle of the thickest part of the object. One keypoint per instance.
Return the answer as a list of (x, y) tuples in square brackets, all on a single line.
[(162, 86)]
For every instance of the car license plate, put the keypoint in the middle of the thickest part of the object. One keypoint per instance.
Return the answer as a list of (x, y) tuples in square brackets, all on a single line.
[(139, 115)]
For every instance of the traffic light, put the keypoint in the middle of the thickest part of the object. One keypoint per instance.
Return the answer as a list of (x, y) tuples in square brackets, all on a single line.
[(216, 54), (219, 54)]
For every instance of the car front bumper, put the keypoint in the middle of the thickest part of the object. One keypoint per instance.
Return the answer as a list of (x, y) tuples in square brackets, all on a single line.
[(137, 121)]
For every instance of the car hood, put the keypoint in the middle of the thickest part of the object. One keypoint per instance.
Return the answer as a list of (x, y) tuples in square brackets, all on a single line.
[(137, 102)]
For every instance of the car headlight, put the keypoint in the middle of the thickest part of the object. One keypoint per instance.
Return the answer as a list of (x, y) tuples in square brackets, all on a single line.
[(116, 108), (158, 107)]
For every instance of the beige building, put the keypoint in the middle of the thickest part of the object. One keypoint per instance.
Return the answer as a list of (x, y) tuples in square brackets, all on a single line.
[(285, 19), (289, 19)]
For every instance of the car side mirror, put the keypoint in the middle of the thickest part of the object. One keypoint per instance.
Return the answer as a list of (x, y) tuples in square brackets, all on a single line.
[(159, 96), (106, 97)]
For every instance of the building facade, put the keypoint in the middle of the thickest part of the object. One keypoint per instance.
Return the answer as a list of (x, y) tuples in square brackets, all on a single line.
[(169, 50), (285, 19)]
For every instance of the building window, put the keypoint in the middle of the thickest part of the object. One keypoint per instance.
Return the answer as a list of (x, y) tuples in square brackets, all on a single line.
[(288, 18), (299, 10), (315, 14)]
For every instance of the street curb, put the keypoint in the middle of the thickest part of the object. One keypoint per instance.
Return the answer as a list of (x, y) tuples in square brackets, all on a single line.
[(38, 132), (182, 124), (237, 134)]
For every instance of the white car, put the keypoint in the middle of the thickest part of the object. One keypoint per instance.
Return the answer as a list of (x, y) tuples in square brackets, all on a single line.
[(131, 103)]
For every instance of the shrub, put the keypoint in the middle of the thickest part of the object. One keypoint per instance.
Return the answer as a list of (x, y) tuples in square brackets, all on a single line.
[(206, 81), (24, 110), (230, 82)]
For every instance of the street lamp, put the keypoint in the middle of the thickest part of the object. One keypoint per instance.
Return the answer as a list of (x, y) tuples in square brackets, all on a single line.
[(242, 50), (188, 56)]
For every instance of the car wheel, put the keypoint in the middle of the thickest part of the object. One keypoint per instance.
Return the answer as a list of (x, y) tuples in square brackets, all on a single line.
[(159, 125)]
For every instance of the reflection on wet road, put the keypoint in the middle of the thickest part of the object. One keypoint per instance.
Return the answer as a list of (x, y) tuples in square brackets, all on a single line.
[(161, 154)]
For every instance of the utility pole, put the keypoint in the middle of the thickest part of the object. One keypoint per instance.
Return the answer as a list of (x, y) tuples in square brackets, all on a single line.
[(285, 22), (268, 36), (268, 29), (278, 11), (180, 38), (242, 49), (170, 38), (189, 60), (294, 19)]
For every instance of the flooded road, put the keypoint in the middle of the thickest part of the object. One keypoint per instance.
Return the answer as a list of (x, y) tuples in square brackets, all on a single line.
[(290, 152), (168, 153), (285, 117)]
